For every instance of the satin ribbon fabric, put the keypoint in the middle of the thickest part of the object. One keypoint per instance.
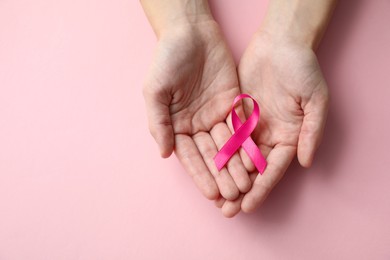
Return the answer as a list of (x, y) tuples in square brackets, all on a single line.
[(242, 137)]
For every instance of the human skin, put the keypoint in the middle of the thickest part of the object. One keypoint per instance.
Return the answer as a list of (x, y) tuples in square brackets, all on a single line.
[(280, 70), (193, 80), (188, 93)]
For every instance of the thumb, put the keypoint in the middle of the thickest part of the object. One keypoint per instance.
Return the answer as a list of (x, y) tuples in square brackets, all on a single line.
[(310, 136), (160, 125)]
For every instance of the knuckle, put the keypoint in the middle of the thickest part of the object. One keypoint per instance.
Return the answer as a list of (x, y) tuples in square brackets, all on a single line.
[(264, 186), (209, 152), (186, 154)]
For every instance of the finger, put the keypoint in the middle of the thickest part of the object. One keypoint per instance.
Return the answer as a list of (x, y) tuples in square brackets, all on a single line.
[(249, 166), (192, 161), (160, 125), (315, 112), (219, 202), (221, 134), (278, 160), (253, 176), (232, 208), (264, 149), (208, 150)]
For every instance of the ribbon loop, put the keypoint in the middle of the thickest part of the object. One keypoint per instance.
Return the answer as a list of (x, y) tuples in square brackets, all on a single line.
[(242, 137)]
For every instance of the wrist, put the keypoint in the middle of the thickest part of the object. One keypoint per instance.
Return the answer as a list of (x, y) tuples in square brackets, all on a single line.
[(289, 36), (287, 30), (201, 35), (270, 48), (197, 27), (173, 15), (301, 22)]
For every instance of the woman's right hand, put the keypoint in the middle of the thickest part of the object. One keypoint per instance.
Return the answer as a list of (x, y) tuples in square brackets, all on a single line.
[(188, 92)]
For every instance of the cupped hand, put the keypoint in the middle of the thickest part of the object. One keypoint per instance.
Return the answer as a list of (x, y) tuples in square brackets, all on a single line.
[(286, 80), (188, 93)]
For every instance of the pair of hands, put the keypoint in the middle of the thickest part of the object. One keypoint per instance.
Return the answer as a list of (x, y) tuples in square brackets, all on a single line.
[(189, 90)]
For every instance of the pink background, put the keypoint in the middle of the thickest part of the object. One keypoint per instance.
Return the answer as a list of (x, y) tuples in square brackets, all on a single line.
[(80, 180)]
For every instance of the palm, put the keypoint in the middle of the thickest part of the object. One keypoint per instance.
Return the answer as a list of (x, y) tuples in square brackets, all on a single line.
[(194, 80), (202, 81), (289, 86)]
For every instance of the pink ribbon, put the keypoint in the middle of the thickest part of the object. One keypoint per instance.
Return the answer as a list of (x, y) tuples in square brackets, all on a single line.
[(242, 137)]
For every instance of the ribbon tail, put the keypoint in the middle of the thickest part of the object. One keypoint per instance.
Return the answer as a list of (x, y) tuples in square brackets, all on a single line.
[(255, 155)]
